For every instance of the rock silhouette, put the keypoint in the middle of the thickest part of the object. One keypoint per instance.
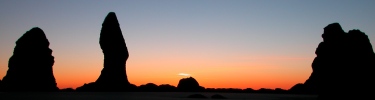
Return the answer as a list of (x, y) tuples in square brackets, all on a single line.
[(299, 88), (218, 96), (342, 65), (200, 96), (0, 86), (88, 87), (67, 90), (189, 84), (149, 87), (30, 67), (167, 88), (113, 76)]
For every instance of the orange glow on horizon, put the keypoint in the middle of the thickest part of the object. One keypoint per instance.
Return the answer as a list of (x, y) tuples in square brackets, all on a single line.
[(209, 75), (230, 71)]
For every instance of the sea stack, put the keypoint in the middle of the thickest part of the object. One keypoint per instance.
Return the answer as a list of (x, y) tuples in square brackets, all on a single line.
[(113, 76), (0, 86), (189, 85), (112, 43), (30, 67), (329, 56), (342, 66)]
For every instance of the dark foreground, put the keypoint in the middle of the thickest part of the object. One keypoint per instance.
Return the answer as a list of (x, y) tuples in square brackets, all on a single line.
[(148, 96)]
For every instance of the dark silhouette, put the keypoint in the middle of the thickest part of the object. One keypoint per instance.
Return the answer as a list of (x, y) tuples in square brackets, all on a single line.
[(197, 96), (228, 90), (279, 90), (342, 65), (189, 84), (149, 87), (0, 86), (265, 90), (113, 76), (88, 87), (300, 88), (115, 54), (67, 90), (132, 87), (248, 90), (218, 96), (30, 67), (167, 88)]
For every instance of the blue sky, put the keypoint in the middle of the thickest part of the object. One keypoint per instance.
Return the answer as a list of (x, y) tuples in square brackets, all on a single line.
[(226, 31)]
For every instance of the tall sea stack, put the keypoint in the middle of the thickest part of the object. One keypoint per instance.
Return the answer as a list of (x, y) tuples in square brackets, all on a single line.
[(113, 76), (30, 67)]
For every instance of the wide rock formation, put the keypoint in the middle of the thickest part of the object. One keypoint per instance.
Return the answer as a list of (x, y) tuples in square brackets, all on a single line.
[(342, 65), (113, 76), (189, 84), (30, 67)]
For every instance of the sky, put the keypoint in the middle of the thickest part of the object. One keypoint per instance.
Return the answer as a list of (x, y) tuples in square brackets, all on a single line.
[(221, 43)]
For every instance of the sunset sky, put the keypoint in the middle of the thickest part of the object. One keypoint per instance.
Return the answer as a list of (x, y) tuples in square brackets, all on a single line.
[(221, 43)]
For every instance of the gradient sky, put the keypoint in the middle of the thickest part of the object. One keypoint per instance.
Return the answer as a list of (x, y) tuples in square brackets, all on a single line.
[(222, 43)]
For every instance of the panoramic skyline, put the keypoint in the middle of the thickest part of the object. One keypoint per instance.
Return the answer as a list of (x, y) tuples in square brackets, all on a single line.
[(221, 43)]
